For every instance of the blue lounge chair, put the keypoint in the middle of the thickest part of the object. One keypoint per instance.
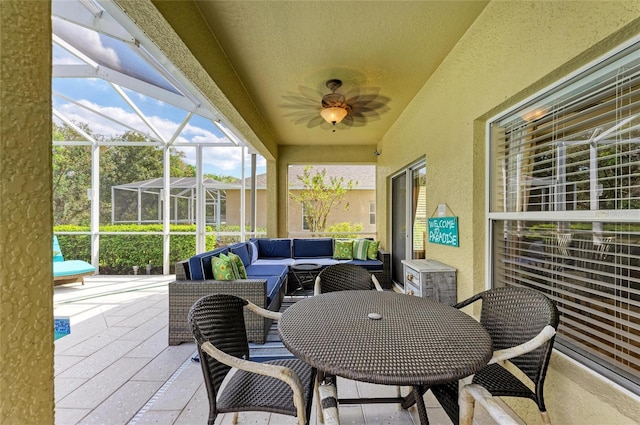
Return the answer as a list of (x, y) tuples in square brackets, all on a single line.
[(68, 271)]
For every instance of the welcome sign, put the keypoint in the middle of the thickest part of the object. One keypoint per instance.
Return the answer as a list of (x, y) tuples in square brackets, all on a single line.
[(443, 230)]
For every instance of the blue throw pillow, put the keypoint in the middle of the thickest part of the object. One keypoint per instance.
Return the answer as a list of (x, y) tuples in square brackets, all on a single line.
[(241, 251)]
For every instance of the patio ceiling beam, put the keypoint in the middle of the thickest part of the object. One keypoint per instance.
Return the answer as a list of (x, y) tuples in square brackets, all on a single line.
[(123, 80), (137, 110), (104, 23), (181, 127)]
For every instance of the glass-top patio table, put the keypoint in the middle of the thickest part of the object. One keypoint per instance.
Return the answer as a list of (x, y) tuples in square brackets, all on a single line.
[(386, 338)]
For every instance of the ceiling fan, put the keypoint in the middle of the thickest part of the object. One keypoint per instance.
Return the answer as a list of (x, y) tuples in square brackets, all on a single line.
[(353, 110)]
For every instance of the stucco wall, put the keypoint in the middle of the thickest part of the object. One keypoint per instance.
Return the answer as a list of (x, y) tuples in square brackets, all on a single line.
[(26, 282), (513, 50), (357, 212)]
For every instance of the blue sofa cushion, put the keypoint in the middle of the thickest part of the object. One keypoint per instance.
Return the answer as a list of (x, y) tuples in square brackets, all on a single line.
[(324, 262), (274, 261), (242, 251), (279, 271), (200, 264), (274, 283), (274, 248), (313, 248)]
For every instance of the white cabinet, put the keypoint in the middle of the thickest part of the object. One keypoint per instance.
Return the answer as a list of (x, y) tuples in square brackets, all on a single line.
[(430, 279)]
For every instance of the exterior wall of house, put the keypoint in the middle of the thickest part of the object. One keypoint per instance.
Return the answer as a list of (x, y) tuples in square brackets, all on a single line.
[(26, 218), (512, 51), (233, 208)]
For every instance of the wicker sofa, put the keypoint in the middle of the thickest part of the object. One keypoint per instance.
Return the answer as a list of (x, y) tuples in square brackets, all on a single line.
[(267, 263)]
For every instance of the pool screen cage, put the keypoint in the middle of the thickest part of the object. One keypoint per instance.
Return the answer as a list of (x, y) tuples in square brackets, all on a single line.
[(141, 202)]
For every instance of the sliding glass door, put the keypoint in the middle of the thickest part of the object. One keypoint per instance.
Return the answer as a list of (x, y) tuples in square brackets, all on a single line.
[(408, 217)]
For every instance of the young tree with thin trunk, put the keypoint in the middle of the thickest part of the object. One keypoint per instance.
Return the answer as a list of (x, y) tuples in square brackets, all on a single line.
[(318, 196)]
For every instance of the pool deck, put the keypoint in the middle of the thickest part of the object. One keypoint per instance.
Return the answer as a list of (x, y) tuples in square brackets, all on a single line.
[(117, 368)]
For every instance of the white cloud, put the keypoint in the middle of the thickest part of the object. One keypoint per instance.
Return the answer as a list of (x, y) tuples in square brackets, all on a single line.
[(218, 160)]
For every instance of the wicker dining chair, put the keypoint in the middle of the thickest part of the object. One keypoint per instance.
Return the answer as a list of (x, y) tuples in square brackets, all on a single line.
[(279, 386), (522, 323), (345, 277)]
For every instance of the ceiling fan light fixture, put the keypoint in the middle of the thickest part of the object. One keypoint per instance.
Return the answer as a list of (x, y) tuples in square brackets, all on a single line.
[(333, 114)]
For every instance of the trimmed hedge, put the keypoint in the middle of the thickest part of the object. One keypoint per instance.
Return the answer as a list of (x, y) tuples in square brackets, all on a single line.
[(119, 253)]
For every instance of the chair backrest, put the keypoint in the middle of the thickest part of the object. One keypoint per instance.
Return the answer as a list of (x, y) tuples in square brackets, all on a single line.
[(344, 277), (218, 319), (512, 316)]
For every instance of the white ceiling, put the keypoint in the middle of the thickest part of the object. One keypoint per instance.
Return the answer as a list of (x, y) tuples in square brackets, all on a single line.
[(284, 51)]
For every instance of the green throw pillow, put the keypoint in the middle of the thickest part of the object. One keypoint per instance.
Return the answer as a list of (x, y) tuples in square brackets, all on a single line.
[(360, 249), (343, 249), (223, 268), (372, 250), (242, 272)]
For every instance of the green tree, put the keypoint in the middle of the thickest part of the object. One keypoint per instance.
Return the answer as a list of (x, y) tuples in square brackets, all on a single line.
[(71, 177), (221, 178), (118, 165), (318, 196)]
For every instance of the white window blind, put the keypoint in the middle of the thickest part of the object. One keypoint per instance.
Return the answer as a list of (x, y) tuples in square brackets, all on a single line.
[(565, 210)]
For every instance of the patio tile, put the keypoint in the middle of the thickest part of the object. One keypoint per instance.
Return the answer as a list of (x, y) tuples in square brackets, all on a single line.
[(163, 366), (100, 360), (197, 409), (63, 362), (65, 386), (122, 406), (152, 346), (145, 329), (351, 415), (70, 416), (92, 393), (96, 342), (164, 417), (178, 394)]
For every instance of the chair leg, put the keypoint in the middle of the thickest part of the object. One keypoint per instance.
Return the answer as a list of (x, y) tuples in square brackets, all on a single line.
[(234, 421), (318, 401), (546, 420), (329, 403), (467, 405)]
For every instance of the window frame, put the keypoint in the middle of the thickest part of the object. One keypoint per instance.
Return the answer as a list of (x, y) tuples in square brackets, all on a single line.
[(596, 217), (372, 213)]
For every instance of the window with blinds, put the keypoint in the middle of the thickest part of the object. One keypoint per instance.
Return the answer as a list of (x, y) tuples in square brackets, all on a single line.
[(564, 209)]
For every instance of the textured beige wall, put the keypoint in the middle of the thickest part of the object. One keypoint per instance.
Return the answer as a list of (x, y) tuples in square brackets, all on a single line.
[(513, 50), (26, 282), (358, 211)]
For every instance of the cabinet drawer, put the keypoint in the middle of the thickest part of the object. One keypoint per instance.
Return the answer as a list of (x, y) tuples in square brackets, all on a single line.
[(411, 289), (412, 281)]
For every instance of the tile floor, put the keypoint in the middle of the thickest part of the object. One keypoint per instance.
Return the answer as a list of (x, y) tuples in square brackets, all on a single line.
[(116, 367)]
